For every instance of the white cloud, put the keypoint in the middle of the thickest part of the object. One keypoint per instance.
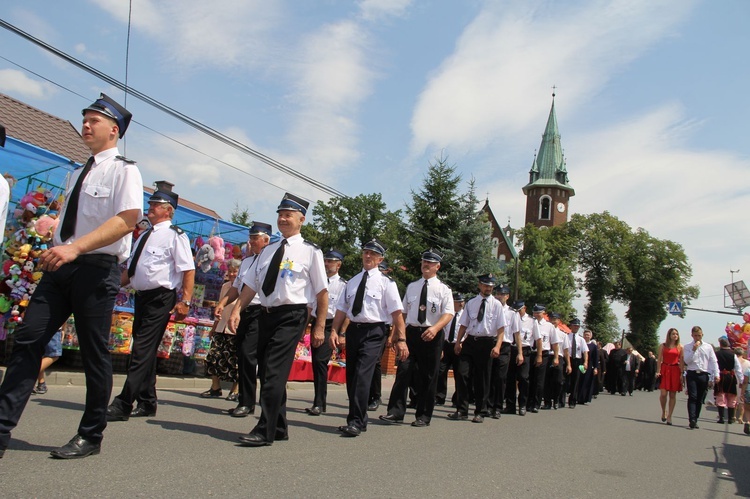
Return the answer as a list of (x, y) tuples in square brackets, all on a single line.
[(513, 53), (379, 9), (195, 33), (16, 82)]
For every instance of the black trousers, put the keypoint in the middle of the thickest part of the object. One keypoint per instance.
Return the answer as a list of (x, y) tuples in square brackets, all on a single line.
[(279, 332), (537, 378), (364, 344), (87, 290), (574, 380), (474, 365), (421, 368), (449, 361), (321, 356), (518, 375), (376, 387), (364, 348), (152, 310), (247, 356), (554, 381), (499, 377), (697, 385), (630, 380)]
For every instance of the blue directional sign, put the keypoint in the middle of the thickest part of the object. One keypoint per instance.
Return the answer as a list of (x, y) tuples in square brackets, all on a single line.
[(675, 307)]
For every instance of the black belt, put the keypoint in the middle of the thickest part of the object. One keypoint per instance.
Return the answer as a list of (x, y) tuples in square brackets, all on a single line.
[(526, 349), (697, 372), (419, 328), (477, 338), (283, 308), (252, 308), (97, 260), (154, 291), (359, 325)]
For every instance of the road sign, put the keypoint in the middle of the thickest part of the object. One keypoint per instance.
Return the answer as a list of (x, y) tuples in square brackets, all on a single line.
[(675, 307)]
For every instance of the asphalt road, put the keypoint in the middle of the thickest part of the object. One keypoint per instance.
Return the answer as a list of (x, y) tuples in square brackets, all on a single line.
[(616, 447)]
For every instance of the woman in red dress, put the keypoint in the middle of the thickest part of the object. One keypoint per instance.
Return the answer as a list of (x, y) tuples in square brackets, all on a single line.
[(669, 371)]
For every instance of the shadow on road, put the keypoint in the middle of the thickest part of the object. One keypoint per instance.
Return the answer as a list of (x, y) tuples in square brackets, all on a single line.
[(210, 431)]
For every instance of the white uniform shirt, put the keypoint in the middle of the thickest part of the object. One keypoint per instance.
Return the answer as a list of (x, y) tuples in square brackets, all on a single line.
[(703, 359), (439, 302), (547, 332), (301, 275), (4, 201), (564, 341), (581, 345), (336, 286), (529, 334), (165, 256), (380, 301), (493, 319), (447, 328), (511, 325), (244, 267), (111, 187)]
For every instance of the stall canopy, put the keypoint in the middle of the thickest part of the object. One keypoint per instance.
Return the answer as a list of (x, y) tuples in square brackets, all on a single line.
[(32, 135)]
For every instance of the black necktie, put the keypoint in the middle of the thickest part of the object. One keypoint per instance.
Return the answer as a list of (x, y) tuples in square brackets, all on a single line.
[(71, 210), (452, 334), (269, 283), (480, 315), (573, 355), (138, 251), (360, 296), (422, 315)]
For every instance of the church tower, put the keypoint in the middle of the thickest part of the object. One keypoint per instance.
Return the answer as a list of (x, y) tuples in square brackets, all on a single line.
[(548, 190)]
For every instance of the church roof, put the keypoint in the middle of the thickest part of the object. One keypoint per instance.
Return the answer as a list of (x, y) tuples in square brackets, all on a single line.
[(548, 168)]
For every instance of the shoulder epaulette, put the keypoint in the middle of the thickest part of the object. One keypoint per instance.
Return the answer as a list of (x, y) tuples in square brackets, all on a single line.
[(312, 244), (125, 160), (387, 276), (177, 229)]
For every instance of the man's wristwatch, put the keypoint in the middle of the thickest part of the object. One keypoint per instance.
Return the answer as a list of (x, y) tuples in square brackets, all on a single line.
[(186, 302), (399, 340)]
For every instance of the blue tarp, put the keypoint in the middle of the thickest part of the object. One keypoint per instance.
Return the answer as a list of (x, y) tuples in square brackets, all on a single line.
[(33, 166)]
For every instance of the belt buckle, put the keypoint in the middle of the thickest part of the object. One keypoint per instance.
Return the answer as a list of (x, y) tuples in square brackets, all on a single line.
[(698, 371)]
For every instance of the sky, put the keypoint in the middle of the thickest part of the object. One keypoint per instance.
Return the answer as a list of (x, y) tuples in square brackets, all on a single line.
[(363, 95)]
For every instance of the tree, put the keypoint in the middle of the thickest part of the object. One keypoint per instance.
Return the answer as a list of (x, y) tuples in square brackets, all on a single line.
[(658, 272), (240, 216), (601, 242), (347, 223), (546, 265), (471, 253)]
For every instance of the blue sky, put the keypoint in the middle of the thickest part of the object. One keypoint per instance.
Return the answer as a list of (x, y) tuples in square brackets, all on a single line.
[(651, 103)]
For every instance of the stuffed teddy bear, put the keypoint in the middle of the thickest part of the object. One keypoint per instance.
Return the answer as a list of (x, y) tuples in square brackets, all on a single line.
[(45, 226), (217, 243), (204, 258)]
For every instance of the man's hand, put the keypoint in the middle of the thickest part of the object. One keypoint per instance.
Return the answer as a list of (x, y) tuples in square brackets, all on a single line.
[(495, 353), (218, 311), (457, 348), (55, 257), (317, 337), (429, 334), (519, 358), (402, 351), (180, 311)]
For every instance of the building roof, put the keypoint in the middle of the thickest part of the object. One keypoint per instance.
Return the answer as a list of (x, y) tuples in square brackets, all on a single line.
[(41, 129), (548, 167), (189, 204)]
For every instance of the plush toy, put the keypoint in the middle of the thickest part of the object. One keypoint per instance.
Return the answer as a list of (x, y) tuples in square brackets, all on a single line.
[(217, 243), (22, 253), (140, 227), (204, 257), (739, 334), (237, 252), (15, 315), (5, 304), (45, 226)]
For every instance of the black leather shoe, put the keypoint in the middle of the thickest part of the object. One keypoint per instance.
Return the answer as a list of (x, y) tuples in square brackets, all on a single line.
[(521, 411), (281, 437), (242, 411), (211, 393), (477, 419), (457, 416), (314, 411), (77, 448), (114, 413), (142, 412), (495, 414), (254, 440), (534, 410), (350, 431), (439, 401), (420, 424), (373, 406), (2, 452), (390, 419), (509, 410), (341, 428)]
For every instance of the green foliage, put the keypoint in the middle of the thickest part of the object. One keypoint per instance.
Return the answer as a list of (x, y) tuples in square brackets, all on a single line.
[(547, 262), (240, 216)]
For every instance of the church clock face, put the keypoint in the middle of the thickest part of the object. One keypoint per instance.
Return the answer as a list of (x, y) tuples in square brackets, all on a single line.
[(561, 207)]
